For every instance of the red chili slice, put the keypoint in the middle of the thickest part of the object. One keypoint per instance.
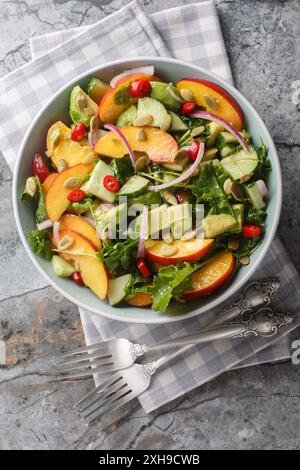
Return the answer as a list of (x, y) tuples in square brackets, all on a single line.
[(76, 195), (251, 231), (188, 108), (140, 88), (143, 268), (111, 183), (194, 149), (39, 167), (78, 132), (76, 277)]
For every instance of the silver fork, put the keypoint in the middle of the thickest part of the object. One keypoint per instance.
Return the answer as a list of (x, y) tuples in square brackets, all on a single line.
[(127, 384), (119, 353)]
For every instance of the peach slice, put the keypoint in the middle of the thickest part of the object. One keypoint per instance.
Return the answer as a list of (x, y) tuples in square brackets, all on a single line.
[(159, 145), (57, 196), (139, 300), (60, 146), (48, 181), (211, 276), (91, 269), (83, 227), (117, 99), (227, 107), (183, 250)]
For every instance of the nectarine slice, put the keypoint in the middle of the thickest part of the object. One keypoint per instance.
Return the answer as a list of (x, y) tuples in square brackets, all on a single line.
[(184, 250), (211, 276), (91, 269), (83, 227), (117, 99), (48, 181), (159, 145), (139, 300), (227, 107), (57, 196)]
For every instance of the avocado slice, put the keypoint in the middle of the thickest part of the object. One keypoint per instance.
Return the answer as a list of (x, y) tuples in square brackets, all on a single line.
[(151, 106), (177, 124), (82, 107), (216, 224), (127, 117), (159, 92), (96, 89), (214, 129)]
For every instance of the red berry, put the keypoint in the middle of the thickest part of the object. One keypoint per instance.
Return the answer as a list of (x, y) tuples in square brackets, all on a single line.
[(78, 132), (143, 268), (194, 149), (76, 277), (39, 167), (111, 183), (251, 231), (140, 88), (188, 108), (76, 195)]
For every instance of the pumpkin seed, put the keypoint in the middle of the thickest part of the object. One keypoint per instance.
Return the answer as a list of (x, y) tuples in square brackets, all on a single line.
[(72, 182), (141, 163), (143, 120), (65, 243), (197, 131), (244, 260), (233, 244), (246, 178), (227, 186), (210, 101), (81, 101), (168, 250), (115, 140), (94, 123), (30, 186), (141, 135), (187, 95), (170, 198), (166, 123), (62, 165), (237, 191)]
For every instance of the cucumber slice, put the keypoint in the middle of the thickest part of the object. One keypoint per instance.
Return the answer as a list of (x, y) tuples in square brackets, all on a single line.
[(177, 124), (239, 213), (227, 150), (240, 164), (214, 129), (135, 185), (153, 107), (225, 138), (127, 117), (159, 92), (61, 267), (95, 183), (179, 164), (215, 225), (255, 196), (117, 288), (209, 154), (96, 89)]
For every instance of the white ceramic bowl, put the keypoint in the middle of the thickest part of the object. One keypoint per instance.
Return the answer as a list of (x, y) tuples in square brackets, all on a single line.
[(57, 109)]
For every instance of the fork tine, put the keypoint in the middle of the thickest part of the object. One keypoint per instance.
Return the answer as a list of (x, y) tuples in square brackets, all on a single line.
[(92, 347), (103, 403), (92, 365), (105, 369), (114, 406), (110, 381), (101, 354), (113, 389)]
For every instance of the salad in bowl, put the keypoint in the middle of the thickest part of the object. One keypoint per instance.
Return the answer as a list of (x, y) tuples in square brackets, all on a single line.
[(152, 193)]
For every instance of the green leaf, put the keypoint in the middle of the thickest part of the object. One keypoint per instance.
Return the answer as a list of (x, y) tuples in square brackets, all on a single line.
[(122, 168), (40, 243), (264, 162), (119, 257), (147, 199), (82, 206), (255, 217), (41, 212)]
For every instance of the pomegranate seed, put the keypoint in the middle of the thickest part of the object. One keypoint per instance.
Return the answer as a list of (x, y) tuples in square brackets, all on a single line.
[(143, 268), (39, 167), (140, 88), (76, 277), (188, 108), (78, 132), (194, 149)]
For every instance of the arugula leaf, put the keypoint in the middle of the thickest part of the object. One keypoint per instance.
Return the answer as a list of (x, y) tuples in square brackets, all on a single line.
[(138, 285), (264, 162), (122, 168), (246, 247), (255, 217), (40, 243), (119, 257), (82, 206)]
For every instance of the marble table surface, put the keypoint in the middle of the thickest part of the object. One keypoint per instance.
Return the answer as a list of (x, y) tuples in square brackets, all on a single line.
[(245, 409)]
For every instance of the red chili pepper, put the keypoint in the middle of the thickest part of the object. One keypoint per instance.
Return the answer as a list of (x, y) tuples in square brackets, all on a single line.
[(194, 149), (39, 167), (188, 108), (76, 195), (251, 231), (140, 88), (76, 277), (111, 183), (143, 268), (78, 132)]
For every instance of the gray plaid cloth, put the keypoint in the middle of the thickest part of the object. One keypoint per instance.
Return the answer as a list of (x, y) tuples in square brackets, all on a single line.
[(190, 33)]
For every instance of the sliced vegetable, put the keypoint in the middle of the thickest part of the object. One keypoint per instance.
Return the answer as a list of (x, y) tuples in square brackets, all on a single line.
[(262, 188), (140, 88), (143, 233), (117, 288), (240, 164), (111, 183), (251, 231), (147, 70), (188, 108), (143, 268), (134, 186), (39, 167), (76, 195), (61, 267), (117, 131)]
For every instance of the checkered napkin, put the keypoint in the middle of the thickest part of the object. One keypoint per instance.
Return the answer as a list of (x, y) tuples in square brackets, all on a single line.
[(190, 33)]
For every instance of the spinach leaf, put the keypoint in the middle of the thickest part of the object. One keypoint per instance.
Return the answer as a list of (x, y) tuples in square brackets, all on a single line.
[(40, 243), (122, 168)]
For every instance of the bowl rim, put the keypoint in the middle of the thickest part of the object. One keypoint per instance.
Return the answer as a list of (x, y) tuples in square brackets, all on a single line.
[(233, 288)]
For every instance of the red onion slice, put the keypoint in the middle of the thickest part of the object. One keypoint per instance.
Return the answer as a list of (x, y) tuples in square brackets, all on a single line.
[(173, 95), (184, 175), (93, 137), (143, 233), (44, 225), (147, 70), (224, 123), (56, 232), (262, 188), (116, 130)]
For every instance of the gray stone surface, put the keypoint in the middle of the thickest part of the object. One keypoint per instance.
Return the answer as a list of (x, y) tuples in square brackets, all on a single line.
[(246, 409)]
